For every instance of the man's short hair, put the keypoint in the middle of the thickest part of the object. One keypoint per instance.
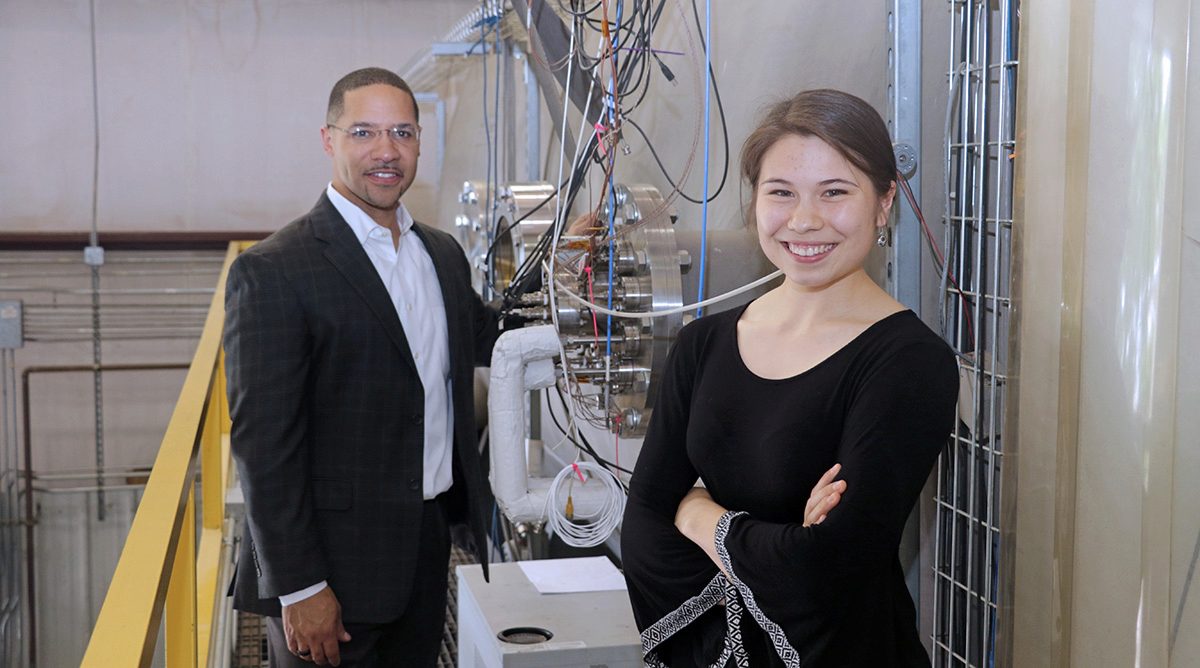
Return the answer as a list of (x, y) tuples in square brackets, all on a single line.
[(367, 76)]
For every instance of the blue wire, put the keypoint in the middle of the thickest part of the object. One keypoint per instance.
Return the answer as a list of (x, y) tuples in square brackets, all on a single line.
[(612, 191), (617, 27), (707, 119), (612, 217)]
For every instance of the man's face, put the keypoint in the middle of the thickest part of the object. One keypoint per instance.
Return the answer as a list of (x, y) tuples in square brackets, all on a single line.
[(374, 173)]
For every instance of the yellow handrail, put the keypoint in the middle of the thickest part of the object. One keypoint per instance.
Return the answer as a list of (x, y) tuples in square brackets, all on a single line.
[(160, 566)]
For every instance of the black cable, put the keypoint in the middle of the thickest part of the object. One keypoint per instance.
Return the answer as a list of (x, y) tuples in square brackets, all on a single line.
[(525, 278), (586, 447), (663, 169), (639, 13), (487, 257), (528, 273), (638, 45), (720, 111), (575, 14), (642, 65), (597, 24), (635, 64), (724, 128)]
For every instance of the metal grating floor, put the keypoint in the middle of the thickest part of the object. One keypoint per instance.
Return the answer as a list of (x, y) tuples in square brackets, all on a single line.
[(250, 650), (251, 646), (448, 655)]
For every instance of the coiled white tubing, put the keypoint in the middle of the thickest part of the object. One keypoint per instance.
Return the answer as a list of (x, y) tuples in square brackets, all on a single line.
[(600, 524)]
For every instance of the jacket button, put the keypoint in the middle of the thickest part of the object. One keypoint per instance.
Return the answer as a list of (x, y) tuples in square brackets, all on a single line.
[(414, 484)]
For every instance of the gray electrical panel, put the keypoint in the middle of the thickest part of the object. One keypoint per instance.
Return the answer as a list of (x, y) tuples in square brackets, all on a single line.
[(11, 328)]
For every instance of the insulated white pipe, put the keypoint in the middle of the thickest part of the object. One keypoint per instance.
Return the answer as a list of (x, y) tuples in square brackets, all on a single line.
[(523, 360)]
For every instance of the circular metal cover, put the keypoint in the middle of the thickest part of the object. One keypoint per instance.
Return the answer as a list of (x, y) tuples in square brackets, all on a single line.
[(524, 635)]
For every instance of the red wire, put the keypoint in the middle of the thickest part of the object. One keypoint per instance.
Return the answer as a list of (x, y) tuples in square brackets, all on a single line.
[(587, 269), (912, 201)]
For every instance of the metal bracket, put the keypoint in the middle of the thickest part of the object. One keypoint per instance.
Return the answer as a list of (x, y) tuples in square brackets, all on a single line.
[(906, 159)]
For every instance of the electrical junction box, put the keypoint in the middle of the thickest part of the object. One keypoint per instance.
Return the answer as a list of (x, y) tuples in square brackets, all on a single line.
[(11, 327), (586, 629), (93, 256)]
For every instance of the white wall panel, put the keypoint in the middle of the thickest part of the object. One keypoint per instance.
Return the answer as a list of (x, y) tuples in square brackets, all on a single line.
[(1106, 507), (209, 110)]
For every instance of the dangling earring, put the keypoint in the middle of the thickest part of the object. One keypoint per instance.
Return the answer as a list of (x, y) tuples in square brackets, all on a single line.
[(881, 240)]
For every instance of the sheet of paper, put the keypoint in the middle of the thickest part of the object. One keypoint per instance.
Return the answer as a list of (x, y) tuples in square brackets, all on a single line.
[(565, 576)]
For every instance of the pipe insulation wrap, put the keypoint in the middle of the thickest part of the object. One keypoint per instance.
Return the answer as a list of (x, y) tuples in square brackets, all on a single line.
[(523, 360)]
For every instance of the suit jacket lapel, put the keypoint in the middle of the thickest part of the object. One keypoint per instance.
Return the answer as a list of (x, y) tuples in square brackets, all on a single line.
[(346, 254)]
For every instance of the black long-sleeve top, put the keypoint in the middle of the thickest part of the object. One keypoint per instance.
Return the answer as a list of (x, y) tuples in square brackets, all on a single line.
[(831, 594)]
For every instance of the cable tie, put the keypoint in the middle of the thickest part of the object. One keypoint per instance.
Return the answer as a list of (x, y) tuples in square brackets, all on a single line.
[(578, 473)]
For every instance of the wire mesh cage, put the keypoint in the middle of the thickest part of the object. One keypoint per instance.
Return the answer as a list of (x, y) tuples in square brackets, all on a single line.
[(980, 149)]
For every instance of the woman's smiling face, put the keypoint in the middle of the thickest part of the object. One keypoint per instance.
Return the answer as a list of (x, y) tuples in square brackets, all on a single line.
[(817, 214)]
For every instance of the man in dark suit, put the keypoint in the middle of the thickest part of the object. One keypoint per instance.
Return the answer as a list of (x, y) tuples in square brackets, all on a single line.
[(350, 340)]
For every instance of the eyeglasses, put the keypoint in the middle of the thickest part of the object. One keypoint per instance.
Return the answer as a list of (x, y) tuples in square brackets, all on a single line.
[(401, 134)]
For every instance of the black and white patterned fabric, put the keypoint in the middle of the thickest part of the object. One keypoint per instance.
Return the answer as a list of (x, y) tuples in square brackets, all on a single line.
[(719, 591), (789, 655)]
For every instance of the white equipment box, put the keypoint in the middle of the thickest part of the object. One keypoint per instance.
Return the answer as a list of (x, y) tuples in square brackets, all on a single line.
[(587, 629)]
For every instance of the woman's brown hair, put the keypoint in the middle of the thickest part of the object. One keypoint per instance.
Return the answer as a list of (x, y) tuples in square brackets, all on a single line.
[(845, 122)]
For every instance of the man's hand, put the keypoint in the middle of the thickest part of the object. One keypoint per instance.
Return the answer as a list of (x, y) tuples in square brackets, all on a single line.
[(314, 628), (825, 495), (510, 319)]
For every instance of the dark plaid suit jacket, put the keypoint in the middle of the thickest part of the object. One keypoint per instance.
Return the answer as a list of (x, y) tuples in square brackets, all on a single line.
[(327, 414)]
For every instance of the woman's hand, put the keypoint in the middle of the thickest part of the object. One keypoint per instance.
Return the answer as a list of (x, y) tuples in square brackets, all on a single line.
[(825, 495)]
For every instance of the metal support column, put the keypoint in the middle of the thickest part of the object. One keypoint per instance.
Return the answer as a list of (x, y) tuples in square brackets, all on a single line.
[(508, 87), (904, 252), (904, 101), (533, 123), (11, 627)]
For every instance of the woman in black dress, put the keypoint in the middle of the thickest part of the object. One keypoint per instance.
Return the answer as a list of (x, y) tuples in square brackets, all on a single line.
[(812, 416)]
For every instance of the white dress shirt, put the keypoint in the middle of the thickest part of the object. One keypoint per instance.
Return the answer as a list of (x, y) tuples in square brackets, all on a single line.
[(411, 281)]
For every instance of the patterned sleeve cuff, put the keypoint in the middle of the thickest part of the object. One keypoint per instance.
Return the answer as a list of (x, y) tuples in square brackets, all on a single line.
[(719, 539), (783, 646)]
